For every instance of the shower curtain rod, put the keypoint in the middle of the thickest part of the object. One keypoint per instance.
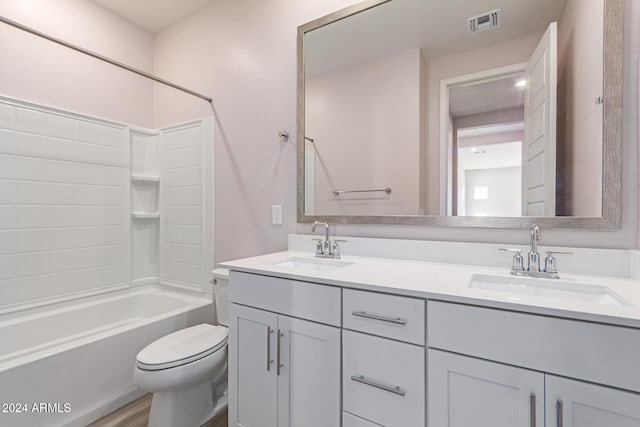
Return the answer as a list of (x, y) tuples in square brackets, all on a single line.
[(102, 58)]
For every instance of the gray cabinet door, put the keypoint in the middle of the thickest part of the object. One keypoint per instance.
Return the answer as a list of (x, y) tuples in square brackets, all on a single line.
[(309, 381), (572, 403), (464, 391), (253, 381)]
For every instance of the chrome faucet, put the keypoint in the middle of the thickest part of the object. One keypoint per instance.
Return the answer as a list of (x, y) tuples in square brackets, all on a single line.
[(533, 269), (326, 248), (533, 265)]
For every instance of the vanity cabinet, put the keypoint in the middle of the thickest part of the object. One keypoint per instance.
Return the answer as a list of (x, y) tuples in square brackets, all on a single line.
[(571, 403), (383, 358), (253, 382), (313, 355), (391, 316), (383, 380), (464, 391), (308, 385), (283, 371), (501, 368), (592, 352)]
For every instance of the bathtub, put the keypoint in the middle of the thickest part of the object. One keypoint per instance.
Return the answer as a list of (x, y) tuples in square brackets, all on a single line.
[(70, 363)]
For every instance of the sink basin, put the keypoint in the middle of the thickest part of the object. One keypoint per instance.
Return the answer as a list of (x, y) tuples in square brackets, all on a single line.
[(518, 287), (315, 264)]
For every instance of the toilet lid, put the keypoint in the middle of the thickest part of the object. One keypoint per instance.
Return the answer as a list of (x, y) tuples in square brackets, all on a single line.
[(182, 347)]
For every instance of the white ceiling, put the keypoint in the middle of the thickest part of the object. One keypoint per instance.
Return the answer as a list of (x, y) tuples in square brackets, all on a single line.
[(153, 15), (491, 156), (438, 27), (483, 97)]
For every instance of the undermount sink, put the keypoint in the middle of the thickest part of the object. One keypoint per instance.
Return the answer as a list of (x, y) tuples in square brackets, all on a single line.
[(315, 264), (520, 286)]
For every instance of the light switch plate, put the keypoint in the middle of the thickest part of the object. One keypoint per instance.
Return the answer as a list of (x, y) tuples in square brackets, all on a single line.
[(276, 215)]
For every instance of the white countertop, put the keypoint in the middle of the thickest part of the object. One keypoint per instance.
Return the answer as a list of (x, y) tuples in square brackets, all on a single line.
[(450, 282)]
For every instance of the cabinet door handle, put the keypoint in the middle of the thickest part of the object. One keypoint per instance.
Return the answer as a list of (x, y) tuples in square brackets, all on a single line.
[(361, 379), (269, 361), (396, 320), (278, 364), (559, 420), (532, 405)]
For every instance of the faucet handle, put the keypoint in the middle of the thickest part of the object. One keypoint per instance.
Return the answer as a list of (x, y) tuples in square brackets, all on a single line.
[(550, 262), (518, 260), (319, 246), (335, 250)]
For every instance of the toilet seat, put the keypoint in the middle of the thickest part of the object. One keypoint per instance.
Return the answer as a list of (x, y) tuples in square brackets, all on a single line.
[(182, 347)]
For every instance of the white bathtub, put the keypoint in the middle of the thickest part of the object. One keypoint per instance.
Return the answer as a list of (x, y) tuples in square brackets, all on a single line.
[(77, 357)]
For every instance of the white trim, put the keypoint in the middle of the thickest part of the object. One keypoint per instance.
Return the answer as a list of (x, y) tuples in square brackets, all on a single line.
[(208, 203), (127, 205), (445, 84), (17, 102), (203, 207), (161, 208)]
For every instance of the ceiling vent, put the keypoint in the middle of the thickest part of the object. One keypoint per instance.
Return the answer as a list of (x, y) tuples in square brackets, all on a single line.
[(485, 21)]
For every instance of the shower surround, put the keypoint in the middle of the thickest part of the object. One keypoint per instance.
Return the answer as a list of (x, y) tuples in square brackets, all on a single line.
[(106, 242)]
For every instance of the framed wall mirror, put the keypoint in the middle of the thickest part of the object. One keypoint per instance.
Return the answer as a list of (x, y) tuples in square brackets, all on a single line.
[(462, 113)]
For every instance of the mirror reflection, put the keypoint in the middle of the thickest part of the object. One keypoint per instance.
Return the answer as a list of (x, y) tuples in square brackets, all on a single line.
[(485, 108)]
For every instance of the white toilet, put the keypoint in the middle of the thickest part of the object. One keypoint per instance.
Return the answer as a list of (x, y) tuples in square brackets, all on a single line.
[(187, 370)]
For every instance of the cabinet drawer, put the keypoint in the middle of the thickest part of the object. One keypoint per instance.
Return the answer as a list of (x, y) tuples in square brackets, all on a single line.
[(311, 301), (400, 318), (383, 380), (350, 420), (594, 352)]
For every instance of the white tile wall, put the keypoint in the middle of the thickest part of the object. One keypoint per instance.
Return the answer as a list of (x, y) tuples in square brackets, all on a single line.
[(182, 200), (7, 142), (63, 201), (8, 242), (7, 166), (7, 116)]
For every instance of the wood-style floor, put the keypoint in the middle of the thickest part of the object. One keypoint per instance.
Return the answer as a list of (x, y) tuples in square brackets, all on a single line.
[(136, 414)]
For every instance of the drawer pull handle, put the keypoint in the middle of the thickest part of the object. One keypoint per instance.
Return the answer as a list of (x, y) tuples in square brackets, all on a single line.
[(361, 379), (279, 364), (532, 408), (397, 320), (269, 361), (559, 411)]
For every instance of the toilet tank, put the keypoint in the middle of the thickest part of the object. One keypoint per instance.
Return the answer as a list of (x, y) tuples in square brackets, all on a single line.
[(221, 293)]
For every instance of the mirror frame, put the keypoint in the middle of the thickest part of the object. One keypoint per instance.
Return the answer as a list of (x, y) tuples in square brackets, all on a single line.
[(611, 141)]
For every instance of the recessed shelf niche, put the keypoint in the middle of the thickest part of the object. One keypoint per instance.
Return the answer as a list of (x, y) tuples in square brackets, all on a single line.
[(145, 205)]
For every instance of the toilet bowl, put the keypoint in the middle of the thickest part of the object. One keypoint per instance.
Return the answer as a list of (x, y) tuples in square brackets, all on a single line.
[(187, 370)]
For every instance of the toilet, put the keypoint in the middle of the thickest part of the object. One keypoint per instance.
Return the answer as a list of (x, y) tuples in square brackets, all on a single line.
[(187, 370)]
